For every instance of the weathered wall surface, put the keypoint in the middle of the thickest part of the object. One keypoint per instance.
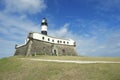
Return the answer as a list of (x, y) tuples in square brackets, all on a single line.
[(44, 48), (66, 50), (21, 50), (41, 47)]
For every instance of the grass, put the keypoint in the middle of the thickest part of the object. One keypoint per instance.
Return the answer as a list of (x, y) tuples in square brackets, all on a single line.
[(16, 69), (78, 58)]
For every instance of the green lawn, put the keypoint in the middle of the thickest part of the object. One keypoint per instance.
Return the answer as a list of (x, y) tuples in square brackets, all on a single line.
[(17, 69), (78, 58)]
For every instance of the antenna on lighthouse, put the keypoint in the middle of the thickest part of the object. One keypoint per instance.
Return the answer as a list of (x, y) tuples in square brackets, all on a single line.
[(44, 26)]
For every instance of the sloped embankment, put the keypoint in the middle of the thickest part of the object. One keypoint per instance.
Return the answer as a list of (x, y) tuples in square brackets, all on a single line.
[(18, 69)]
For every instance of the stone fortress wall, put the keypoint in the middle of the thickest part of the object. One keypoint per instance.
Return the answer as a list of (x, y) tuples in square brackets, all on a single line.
[(39, 44)]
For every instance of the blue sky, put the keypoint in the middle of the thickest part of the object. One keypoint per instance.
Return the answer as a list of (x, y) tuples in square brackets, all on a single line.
[(93, 24)]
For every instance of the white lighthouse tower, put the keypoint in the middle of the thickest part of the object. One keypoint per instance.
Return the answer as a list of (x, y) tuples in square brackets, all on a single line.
[(44, 26)]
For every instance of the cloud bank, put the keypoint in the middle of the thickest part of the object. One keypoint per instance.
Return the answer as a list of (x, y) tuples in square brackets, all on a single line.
[(24, 6)]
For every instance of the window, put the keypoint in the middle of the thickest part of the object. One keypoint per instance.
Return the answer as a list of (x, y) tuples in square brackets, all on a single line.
[(48, 39), (58, 41), (67, 42), (64, 42), (43, 38), (52, 40)]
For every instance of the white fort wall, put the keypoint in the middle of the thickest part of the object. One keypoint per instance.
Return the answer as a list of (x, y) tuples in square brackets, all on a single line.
[(39, 44), (49, 39), (54, 40)]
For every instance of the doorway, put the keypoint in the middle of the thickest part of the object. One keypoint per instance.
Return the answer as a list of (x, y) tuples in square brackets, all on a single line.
[(55, 53), (54, 50)]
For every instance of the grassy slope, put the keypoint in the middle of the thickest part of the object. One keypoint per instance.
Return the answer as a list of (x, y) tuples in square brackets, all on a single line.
[(78, 58), (16, 69)]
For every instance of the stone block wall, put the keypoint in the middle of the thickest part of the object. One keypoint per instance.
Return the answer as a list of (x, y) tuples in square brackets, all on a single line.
[(41, 48), (21, 50), (45, 48)]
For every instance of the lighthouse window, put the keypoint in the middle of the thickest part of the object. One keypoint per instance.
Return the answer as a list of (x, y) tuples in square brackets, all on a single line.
[(43, 38), (48, 39), (52, 40), (58, 41), (67, 42)]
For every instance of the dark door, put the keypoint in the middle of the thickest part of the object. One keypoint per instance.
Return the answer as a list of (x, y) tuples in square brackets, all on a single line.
[(55, 53)]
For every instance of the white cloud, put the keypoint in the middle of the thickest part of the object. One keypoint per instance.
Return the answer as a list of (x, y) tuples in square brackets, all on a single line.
[(14, 30), (62, 32), (24, 6)]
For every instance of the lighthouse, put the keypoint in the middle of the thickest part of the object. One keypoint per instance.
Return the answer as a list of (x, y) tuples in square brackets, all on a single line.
[(42, 44), (44, 26)]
